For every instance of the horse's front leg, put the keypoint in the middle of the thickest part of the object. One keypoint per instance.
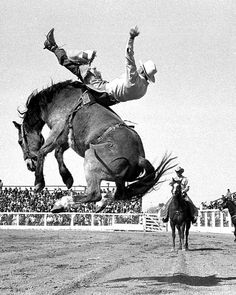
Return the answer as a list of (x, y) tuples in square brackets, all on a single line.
[(173, 235), (63, 170), (181, 236), (39, 182), (48, 146), (235, 232)]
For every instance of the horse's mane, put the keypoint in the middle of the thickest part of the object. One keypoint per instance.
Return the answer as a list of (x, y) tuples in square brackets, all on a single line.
[(43, 97)]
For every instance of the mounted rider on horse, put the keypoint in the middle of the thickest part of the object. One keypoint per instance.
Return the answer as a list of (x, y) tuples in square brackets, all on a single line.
[(184, 188)]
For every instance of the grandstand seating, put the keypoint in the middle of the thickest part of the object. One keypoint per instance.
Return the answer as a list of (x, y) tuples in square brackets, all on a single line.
[(25, 199)]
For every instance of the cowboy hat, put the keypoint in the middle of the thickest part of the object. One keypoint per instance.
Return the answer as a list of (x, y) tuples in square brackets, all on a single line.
[(179, 169), (149, 69)]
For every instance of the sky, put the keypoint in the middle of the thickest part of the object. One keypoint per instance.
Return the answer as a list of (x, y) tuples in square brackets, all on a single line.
[(190, 110)]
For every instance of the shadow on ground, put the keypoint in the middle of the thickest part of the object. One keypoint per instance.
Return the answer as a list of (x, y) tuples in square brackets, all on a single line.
[(179, 278), (205, 249)]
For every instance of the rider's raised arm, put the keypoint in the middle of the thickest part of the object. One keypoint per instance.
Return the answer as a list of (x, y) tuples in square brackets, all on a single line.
[(131, 69)]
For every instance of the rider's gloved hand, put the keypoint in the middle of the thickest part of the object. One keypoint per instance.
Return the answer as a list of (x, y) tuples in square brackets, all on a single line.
[(134, 32)]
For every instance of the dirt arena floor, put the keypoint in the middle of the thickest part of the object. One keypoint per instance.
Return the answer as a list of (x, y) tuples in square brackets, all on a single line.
[(77, 262)]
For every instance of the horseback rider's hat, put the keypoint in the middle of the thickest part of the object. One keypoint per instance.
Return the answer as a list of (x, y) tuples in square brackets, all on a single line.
[(179, 170), (149, 69)]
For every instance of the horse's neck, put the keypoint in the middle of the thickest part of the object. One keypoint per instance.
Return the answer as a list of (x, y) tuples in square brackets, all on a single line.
[(178, 201), (34, 122)]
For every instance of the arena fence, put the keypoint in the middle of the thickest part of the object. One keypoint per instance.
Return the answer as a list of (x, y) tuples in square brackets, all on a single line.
[(208, 221)]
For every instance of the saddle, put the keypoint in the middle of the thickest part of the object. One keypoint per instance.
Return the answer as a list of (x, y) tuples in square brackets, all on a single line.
[(89, 96), (100, 96)]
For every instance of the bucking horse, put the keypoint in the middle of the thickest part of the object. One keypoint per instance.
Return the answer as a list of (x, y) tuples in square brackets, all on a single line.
[(112, 150)]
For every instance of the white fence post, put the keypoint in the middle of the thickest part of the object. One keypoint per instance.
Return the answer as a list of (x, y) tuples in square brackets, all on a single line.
[(213, 219), (221, 220)]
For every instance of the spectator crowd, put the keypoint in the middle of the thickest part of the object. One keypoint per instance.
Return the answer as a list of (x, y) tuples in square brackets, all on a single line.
[(27, 200)]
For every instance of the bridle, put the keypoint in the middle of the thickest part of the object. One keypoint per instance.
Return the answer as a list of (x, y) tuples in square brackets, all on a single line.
[(26, 150), (25, 142)]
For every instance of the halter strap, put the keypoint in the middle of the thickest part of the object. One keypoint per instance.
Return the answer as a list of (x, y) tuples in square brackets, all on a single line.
[(26, 152)]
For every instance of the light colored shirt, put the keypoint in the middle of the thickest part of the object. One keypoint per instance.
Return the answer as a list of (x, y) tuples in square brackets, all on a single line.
[(184, 182), (131, 85)]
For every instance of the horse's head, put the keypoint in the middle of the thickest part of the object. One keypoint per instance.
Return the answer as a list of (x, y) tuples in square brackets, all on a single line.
[(176, 188), (30, 142), (222, 203)]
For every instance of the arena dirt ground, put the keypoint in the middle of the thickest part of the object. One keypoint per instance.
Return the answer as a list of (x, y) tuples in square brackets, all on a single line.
[(72, 262)]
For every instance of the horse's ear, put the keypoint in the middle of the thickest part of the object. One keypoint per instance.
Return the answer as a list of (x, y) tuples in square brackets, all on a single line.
[(17, 125)]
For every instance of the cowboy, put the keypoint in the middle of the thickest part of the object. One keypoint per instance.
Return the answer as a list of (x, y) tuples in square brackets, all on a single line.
[(184, 188), (131, 85)]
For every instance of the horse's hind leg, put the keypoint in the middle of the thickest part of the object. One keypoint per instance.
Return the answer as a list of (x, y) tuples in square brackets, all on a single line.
[(64, 172), (94, 175), (120, 191), (235, 232)]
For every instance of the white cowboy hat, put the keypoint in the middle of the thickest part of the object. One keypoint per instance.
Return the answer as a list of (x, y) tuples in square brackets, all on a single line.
[(179, 169), (149, 69), (80, 56)]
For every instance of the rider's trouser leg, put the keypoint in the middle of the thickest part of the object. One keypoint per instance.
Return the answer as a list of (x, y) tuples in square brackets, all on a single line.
[(165, 210), (64, 61), (193, 208)]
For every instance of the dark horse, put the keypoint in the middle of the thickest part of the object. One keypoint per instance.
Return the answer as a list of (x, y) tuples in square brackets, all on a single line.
[(180, 216), (230, 205), (112, 150)]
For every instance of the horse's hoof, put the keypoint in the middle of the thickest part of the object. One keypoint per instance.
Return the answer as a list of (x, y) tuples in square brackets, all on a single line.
[(68, 181), (100, 206), (39, 187), (58, 209)]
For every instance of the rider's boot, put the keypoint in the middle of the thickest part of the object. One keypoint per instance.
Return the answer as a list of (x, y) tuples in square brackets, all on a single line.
[(194, 219), (165, 219), (58, 209), (50, 42)]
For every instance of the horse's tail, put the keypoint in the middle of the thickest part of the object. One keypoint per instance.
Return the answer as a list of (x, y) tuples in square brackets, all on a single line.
[(151, 178)]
